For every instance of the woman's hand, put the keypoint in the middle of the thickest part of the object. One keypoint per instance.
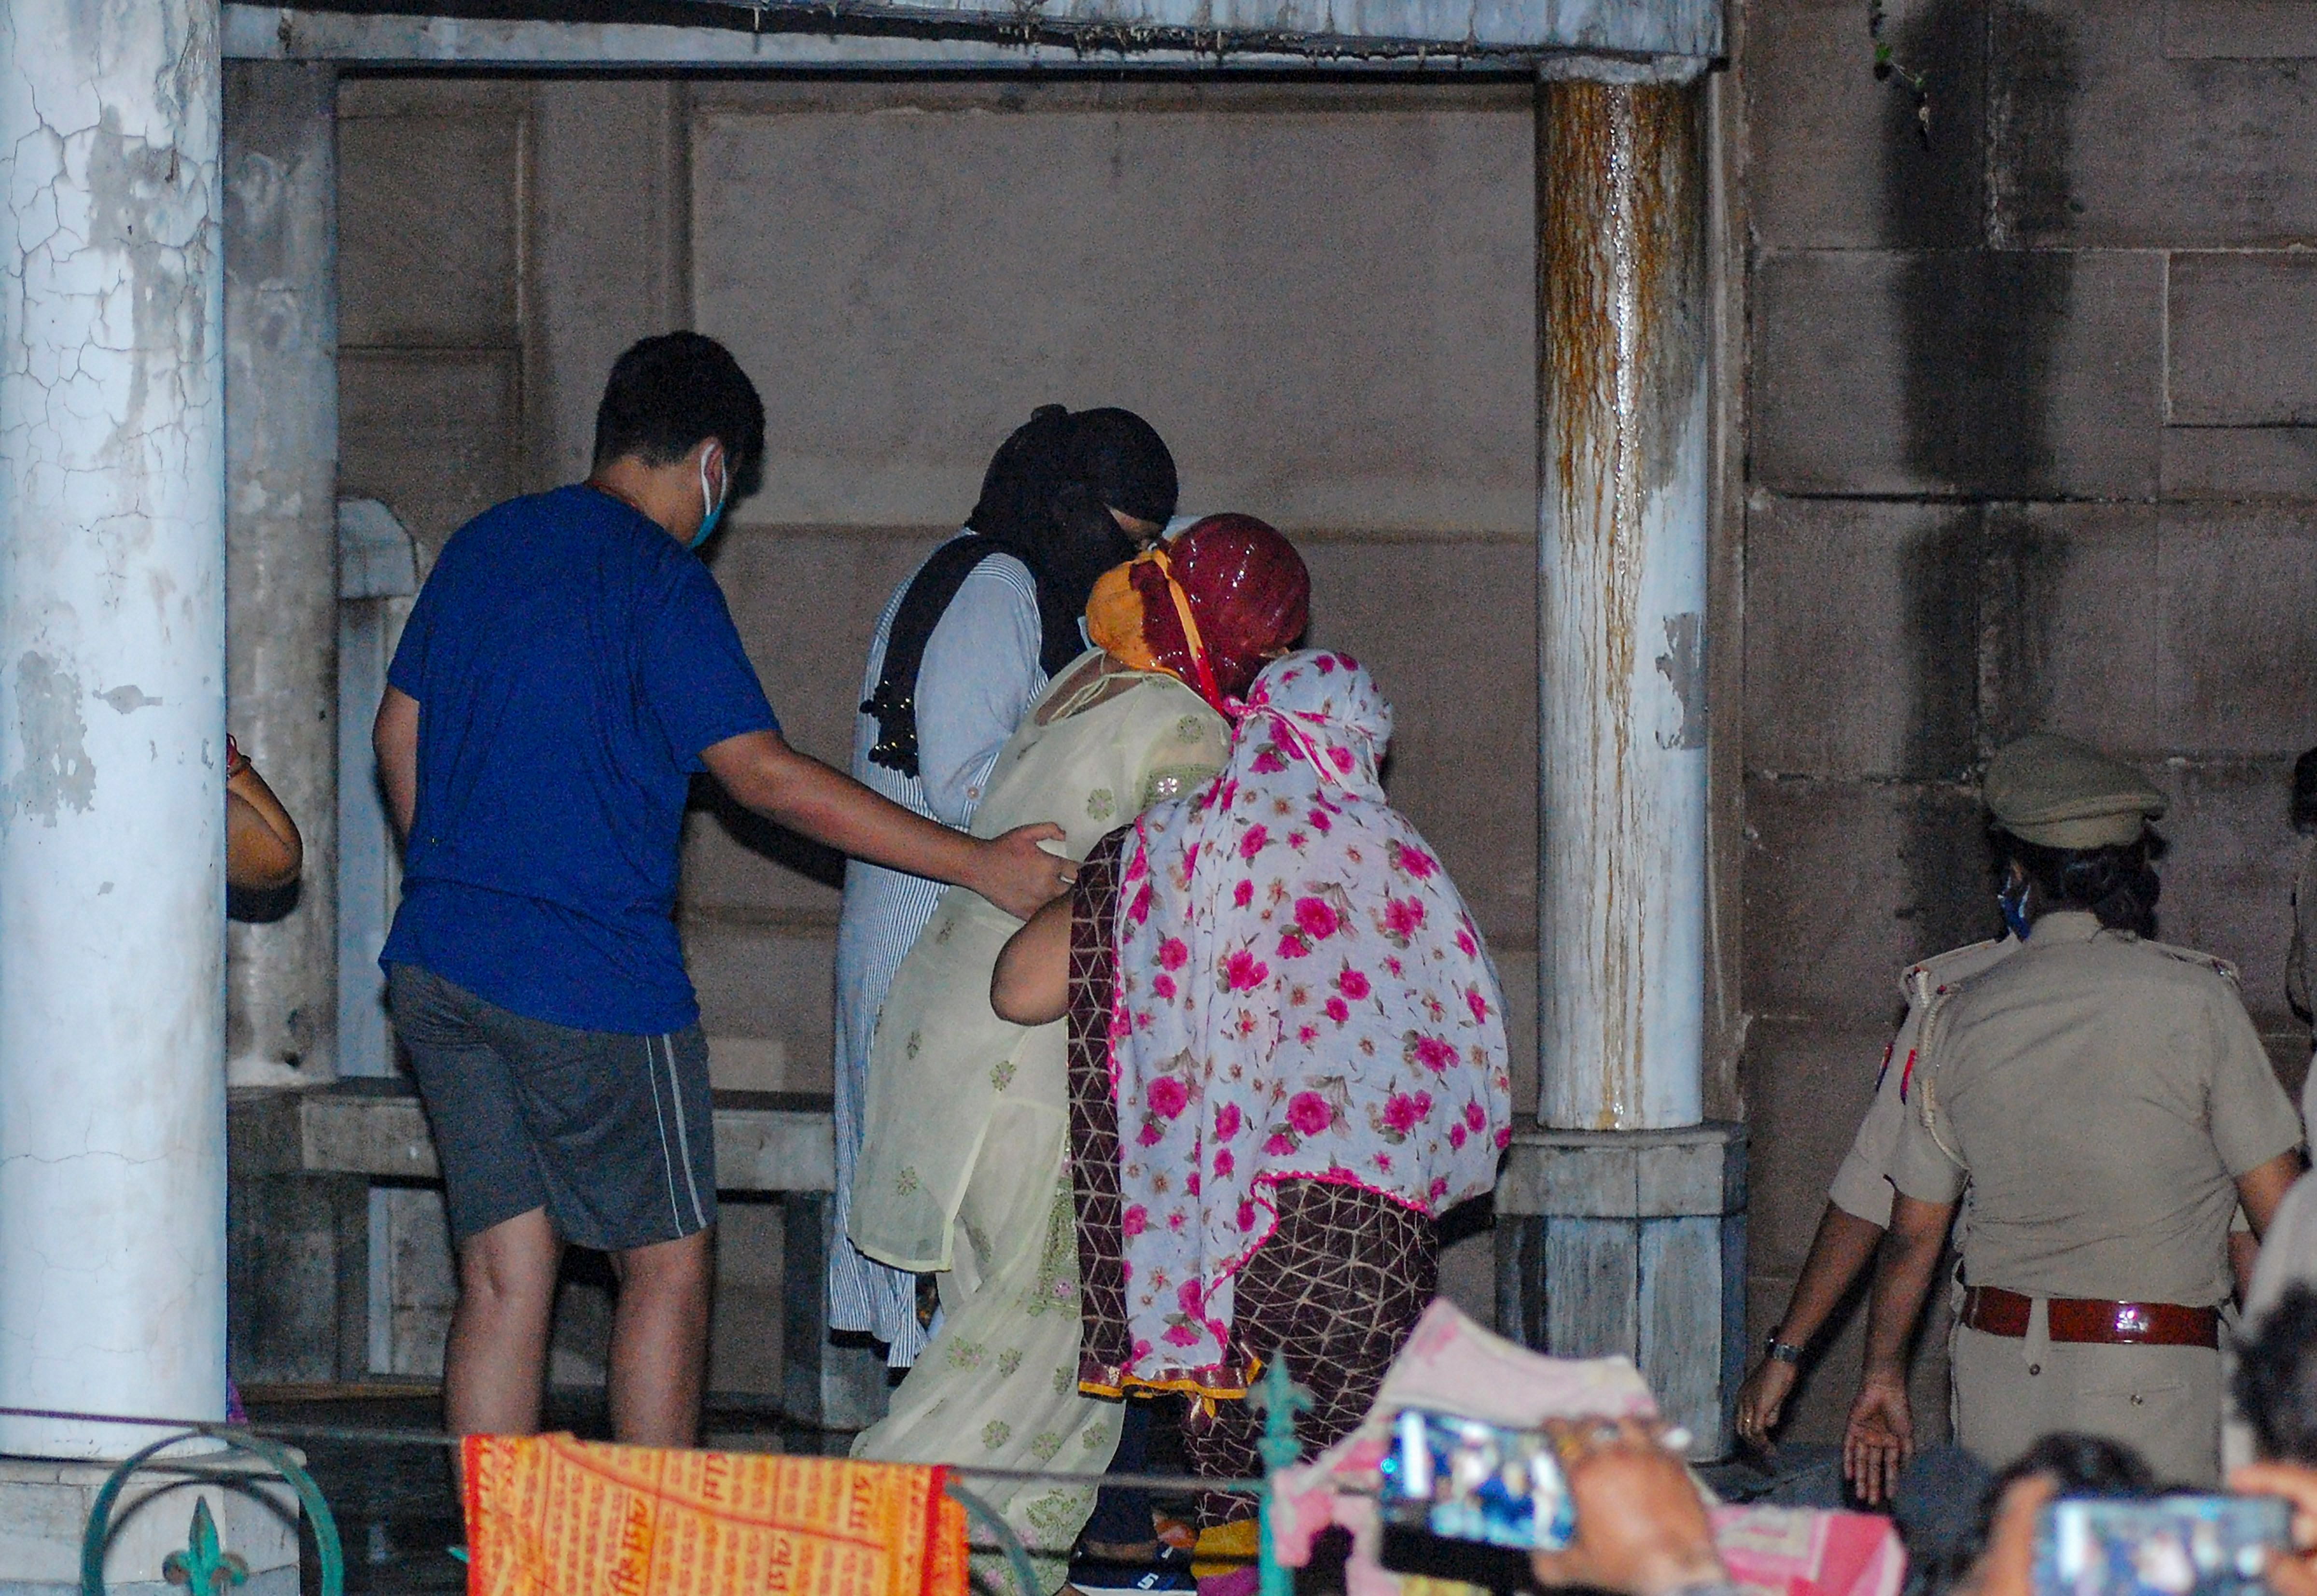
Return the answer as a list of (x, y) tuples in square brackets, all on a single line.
[(1762, 1399), (1642, 1529)]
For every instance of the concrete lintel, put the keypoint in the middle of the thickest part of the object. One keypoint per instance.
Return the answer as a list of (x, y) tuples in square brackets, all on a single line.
[(1580, 40), (1696, 1171)]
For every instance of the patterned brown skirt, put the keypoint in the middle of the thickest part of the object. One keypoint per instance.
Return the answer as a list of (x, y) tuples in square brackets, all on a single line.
[(1334, 1291)]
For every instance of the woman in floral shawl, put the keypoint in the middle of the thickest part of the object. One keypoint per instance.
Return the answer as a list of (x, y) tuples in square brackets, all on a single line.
[(1287, 1058)]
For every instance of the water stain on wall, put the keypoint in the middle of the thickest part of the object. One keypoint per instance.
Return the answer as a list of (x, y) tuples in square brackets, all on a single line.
[(2020, 593), (1938, 607)]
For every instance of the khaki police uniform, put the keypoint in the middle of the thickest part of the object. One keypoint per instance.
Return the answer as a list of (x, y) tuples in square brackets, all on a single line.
[(1862, 1185), (2100, 1094)]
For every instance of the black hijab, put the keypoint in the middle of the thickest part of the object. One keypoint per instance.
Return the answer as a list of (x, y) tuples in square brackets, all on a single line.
[(1046, 499)]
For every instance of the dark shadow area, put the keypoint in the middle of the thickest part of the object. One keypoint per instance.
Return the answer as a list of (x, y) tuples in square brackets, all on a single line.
[(1979, 328), (2031, 132), (2025, 564), (1939, 600), (1979, 323), (762, 836), (263, 906), (1468, 1219), (1933, 175)]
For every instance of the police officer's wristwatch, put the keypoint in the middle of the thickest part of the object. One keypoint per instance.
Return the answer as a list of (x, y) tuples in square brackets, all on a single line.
[(1783, 1351)]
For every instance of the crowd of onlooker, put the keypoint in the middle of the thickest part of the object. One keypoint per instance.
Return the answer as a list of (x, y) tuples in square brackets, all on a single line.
[(1643, 1529)]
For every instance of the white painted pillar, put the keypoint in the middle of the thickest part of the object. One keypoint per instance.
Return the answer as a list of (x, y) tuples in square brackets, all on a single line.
[(1622, 206), (281, 533), (112, 719)]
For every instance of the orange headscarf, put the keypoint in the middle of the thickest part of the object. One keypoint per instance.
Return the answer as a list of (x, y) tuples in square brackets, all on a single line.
[(1207, 608)]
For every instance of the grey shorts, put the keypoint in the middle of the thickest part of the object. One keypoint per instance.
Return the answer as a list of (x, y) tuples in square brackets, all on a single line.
[(612, 1134)]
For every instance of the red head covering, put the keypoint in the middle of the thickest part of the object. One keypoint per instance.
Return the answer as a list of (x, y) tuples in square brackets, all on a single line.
[(1248, 593)]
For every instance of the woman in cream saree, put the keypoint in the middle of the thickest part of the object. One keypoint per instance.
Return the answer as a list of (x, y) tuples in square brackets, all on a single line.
[(963, 1171)]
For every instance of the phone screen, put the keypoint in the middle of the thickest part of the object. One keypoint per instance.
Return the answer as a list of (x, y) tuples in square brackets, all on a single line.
[(1466, 1480), (2164, 1546)]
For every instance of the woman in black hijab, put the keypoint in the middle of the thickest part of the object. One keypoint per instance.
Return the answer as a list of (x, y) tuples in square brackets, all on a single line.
[(962, 648)]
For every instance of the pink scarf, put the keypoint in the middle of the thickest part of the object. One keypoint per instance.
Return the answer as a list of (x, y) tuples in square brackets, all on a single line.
[(1300, 995)]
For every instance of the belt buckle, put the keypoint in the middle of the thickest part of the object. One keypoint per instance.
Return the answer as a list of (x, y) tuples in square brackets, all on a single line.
[(2132, 1319)]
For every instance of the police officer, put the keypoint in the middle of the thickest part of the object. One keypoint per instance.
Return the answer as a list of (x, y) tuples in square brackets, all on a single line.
[(1858, 1204), (2106, 1101)]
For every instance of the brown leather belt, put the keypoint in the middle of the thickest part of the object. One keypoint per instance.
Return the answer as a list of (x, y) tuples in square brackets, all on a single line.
[(1994, 1311)]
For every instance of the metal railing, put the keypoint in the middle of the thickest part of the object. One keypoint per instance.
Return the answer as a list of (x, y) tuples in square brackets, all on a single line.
[(206, 1568)]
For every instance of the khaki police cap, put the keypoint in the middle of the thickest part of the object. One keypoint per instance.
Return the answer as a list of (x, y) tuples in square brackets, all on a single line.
[(2055, 792)]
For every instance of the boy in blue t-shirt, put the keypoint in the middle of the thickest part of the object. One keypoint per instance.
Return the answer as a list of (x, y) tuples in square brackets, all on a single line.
[(568, 668)]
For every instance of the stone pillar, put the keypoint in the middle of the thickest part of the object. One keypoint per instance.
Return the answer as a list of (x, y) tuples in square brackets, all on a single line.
[(281, 549), (1624, 328), (1621, 1225), (111, 722)]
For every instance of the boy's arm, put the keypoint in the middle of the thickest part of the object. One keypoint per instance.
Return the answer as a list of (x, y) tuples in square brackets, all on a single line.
[(760, 770)]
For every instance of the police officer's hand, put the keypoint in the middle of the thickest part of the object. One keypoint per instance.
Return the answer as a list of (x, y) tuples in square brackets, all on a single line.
[(1879, 1439), (1642, 1529), (1763, 1398), (1019, 875), (2290, 1573)]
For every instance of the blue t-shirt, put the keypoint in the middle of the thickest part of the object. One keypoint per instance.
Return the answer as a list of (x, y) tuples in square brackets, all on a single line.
[(570, 660)]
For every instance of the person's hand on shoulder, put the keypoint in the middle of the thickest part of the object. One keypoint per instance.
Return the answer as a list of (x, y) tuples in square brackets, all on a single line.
[(1642, 1528), (1020, 876)]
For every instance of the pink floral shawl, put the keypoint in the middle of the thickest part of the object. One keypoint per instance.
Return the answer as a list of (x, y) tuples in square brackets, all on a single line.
[(1300, 994)]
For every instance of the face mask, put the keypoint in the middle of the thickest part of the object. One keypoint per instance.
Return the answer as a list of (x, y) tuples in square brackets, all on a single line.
[(714, 511), (2013, 901)]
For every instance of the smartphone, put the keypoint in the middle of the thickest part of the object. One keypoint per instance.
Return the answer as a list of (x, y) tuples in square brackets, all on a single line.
[(1465, 1480), (2163, 1546)]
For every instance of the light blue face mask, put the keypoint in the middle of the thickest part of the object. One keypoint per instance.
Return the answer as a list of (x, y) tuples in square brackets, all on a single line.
[(715, 511)]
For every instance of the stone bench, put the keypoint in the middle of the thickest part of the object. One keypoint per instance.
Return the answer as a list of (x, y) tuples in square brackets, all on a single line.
[(302, 1165), (1598, 1236), (766, 1142)]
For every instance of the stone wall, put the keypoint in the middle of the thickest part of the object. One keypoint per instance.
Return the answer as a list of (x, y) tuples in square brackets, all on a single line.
[(2030, 447)]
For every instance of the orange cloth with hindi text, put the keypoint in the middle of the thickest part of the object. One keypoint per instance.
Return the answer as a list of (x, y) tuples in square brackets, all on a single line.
[(551, 1515)]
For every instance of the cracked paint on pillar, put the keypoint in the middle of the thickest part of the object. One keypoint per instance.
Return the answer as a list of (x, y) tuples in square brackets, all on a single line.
[(112, 719)]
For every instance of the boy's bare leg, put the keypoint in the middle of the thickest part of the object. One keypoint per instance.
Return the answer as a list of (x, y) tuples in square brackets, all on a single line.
[(495, 1365), (659, 1340)]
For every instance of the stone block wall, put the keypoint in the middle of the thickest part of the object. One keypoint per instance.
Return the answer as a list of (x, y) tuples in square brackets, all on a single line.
[(2030, 445)]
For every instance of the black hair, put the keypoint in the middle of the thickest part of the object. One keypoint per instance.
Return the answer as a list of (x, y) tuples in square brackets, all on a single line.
[(1047, 496), (1122, 462), (2118, 883), (2276, 1382), (2077, 1465), (667, 393), (2304, 810)]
